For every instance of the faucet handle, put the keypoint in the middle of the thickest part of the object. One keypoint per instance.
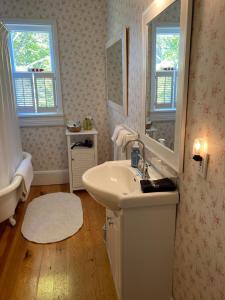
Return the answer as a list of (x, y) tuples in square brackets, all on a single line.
[(141, 162), (145, 173), (140, 156)]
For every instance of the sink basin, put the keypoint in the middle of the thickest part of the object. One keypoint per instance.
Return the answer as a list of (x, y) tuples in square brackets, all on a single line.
[(116, 185)]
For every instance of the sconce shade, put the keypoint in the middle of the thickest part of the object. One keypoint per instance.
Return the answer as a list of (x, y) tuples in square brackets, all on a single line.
[(200, 154), (199, 148)]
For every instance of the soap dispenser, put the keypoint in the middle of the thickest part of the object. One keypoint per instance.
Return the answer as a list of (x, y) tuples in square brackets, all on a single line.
[(135, 155)]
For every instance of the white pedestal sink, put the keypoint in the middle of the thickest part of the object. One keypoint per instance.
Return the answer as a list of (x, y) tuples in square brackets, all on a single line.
[(116, 185), (140, 230)]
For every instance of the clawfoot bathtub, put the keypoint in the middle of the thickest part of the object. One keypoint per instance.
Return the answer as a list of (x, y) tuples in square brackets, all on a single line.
[(11, 195)]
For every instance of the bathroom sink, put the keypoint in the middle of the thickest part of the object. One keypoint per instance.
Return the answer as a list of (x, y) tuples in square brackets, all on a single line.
[(116, 185)]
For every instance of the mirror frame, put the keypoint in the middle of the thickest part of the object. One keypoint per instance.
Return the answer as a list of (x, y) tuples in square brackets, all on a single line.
[(122, 35), (175, 158)]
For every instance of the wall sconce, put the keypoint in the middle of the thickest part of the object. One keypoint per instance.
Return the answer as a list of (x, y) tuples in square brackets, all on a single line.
[(200, 154)]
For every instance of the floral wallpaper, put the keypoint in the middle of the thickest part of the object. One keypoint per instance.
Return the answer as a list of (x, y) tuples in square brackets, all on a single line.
[(199, 271), (81, 38), (119, 14), (47, 146), (200, 242), (163, 130)]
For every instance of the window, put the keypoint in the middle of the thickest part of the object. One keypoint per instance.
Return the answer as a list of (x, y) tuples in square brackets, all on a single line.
[(165, 67), (35, 72)]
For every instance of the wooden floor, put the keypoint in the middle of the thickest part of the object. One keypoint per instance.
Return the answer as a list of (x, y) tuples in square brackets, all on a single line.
[(74, 269)]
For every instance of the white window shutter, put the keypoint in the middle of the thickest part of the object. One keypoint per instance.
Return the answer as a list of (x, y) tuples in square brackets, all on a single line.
[(45, 92), (24, 92), (165, 89)]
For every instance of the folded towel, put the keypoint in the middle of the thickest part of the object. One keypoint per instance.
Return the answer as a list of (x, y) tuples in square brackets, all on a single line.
[(120, 141), (125, 136), (120, 137), (129, 137), (117, 129), (159, 185), (25, 170)]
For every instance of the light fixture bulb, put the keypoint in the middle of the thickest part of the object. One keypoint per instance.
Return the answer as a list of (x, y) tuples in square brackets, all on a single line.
[(200, 147), (197, 147)]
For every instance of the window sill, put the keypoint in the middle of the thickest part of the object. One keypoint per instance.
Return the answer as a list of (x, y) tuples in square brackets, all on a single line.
[(40, 120), (163, 115)]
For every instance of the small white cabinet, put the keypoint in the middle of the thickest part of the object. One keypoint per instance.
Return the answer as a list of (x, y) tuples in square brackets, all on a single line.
[(140, 246), (80, 159)]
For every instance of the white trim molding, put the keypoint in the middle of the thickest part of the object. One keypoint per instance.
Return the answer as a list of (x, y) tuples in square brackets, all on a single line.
[(50, 177), (174, 159), (41, 120), (38, 118)]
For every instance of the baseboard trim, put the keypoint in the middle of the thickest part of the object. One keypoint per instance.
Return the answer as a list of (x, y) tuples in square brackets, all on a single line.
[(50, 177)]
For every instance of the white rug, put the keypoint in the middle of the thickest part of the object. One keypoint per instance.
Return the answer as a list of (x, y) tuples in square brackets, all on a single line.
[(52, 218)]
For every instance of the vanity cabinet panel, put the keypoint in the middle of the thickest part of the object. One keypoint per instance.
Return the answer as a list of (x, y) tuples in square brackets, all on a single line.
[(140, 246), (82, 160), (113, 244)]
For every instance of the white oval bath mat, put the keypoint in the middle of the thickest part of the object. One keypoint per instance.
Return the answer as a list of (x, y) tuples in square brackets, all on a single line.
[(52, 218)]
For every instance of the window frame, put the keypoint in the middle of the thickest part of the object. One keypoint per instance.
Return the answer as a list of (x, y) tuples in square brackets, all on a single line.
[(160, 113), (41, 118)]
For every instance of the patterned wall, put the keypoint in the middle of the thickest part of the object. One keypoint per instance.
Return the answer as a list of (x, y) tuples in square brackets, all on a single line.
[(81, 37), (200, 243), (128, 13), (200, 239), (164, 130)]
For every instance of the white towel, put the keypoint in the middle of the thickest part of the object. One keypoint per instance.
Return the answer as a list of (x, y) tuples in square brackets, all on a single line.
[(123, 137), (25, 170), (117, 129), (130, 137)]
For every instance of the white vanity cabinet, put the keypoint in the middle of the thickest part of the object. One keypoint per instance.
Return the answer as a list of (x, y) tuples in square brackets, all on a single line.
[(140, 246), (140, 230)]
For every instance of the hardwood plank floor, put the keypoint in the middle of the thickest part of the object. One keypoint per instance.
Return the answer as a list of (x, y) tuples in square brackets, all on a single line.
[(74, 269)]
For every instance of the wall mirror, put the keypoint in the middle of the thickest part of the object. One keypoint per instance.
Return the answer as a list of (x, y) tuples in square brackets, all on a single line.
[(166, 42), (116, 72)]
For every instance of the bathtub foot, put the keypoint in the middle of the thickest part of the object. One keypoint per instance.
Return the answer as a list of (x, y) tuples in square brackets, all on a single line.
[(12, 221)]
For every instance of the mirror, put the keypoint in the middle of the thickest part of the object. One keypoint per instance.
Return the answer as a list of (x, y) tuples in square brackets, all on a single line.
[(166, 41), (162, 68), (116, 72)]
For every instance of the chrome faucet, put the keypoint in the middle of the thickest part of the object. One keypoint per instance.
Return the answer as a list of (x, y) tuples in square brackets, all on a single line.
[(142, 164)]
